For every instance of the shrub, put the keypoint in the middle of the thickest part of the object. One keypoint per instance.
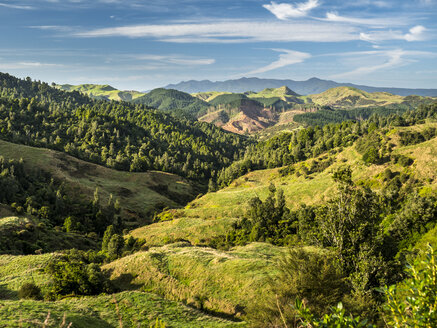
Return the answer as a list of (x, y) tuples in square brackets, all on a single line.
[(413, 302), (29, 291)]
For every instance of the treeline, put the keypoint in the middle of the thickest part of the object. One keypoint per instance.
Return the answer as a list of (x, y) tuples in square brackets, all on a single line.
[(118, 135), (289, 148)]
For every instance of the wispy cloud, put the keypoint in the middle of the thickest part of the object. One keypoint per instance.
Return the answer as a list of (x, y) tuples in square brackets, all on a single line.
[(391, 58), (415, 33), (27, 65), (288, 57), (381, 22), (286, 10), (22, 7), (232, 31), (176, 59)]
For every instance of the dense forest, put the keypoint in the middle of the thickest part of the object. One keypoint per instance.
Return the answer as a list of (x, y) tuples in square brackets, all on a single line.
[(118, 135)]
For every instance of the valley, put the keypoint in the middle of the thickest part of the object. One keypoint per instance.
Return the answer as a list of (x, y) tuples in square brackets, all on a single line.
[(211, 209)]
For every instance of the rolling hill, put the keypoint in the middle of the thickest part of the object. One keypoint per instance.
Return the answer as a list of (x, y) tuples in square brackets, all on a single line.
[(102, 92), (140, 194), (174, 101), (212, 215)]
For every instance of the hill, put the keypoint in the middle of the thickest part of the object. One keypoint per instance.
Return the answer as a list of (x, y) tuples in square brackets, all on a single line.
[(140, 194), (130, 308), (238, 113), (102, 92), (310, 86), (212, 215), (349, 97), (123, 136), (174, 101)]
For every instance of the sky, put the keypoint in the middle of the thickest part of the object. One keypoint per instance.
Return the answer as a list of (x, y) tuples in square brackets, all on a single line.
[(144, 44)]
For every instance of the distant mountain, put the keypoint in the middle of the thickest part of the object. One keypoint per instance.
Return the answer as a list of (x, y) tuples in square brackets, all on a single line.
[(311, 86)]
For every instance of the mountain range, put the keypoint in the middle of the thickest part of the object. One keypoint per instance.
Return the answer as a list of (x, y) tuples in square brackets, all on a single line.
[(310, 86)]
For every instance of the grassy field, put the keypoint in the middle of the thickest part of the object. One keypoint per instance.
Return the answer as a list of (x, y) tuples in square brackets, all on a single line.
[(226, 282), (134, 307), (140, 194), (17, 270), (126, 309)]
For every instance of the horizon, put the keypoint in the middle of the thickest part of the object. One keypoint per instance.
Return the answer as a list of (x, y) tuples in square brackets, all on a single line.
[(138, 45)]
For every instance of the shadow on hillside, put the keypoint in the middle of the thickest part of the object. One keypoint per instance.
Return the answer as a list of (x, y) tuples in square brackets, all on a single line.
[(7, 294), (123, 282)]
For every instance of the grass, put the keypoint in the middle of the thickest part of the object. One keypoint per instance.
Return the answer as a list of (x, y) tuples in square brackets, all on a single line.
[(17, 270), (226, 282), (135, 191), (126, 309)]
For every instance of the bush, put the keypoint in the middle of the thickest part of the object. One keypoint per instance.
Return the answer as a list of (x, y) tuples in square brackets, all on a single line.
[(29, 291), (413, 302)]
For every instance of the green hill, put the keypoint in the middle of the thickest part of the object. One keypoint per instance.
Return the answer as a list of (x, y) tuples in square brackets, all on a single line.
[(348, 97), (140, 194), (174, 101), (103, 92), (123, 136), (323, 214)]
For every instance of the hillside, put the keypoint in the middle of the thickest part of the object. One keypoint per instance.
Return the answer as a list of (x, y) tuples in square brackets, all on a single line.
[(210, 216), (310, 86), (102, 92), (235, 112), (140, 194), (174, 101), (348, 97), (122, 136), (130, 307)]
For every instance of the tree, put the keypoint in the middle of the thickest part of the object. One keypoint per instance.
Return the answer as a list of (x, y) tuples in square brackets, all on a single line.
[(115, 246), (109, 232)]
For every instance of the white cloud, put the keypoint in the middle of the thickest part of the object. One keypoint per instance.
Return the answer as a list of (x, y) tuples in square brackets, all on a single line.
[(391, 59), (176, 59), (16, 6), (27, 65), (334, 17), (416, 33), (288, 57), (233, 31), (286, 10)]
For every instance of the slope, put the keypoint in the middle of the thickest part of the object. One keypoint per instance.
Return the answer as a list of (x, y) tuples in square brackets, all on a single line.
[(130, 308), (140, 194)]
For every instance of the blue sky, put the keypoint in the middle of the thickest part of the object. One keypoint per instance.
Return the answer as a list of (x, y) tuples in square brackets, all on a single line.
[(143, 44)]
